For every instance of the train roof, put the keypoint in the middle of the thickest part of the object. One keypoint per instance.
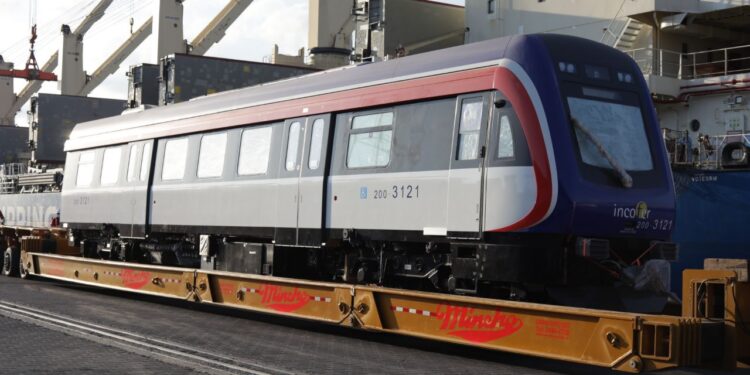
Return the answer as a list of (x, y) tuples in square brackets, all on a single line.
[(463, 57)]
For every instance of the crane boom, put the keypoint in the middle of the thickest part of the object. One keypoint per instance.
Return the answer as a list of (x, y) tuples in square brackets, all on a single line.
[(210, 35), (95, 15), (217, 28), (112, 63)]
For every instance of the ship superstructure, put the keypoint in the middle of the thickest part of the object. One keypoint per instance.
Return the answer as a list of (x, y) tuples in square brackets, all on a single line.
[(695, 57)]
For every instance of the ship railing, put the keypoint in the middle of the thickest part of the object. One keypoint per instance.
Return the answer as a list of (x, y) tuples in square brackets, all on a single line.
[(8, 185), (710, 148), (12, 169), (9, 173), (701, 64), (678, 147), (659, 62)]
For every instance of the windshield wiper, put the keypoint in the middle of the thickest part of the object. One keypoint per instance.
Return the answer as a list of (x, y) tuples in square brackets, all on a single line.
[(622, 174)]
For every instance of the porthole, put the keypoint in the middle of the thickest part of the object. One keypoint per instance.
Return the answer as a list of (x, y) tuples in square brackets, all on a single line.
[(695, 125)]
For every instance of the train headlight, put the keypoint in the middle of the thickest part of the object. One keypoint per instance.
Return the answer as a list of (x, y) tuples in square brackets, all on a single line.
[(566, 67), (624, 77)]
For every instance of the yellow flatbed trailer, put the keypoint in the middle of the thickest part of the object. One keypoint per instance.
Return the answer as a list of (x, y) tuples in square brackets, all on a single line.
[(711, 333)]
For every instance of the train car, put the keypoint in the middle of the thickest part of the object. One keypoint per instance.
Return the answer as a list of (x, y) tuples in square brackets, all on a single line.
[(511, 168)]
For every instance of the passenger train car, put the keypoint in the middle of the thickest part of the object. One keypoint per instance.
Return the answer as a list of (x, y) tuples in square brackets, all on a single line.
[(496, 168)]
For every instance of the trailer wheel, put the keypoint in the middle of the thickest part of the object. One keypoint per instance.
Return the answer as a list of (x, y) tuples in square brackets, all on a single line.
[(11, 261), (23, 272)]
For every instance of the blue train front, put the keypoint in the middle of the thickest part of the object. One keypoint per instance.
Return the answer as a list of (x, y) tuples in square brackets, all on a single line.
[(614, 176), (526, 167), (613, 203)]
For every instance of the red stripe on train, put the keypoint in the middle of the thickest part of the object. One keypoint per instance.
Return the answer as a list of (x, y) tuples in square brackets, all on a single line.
[(511, 86), (387, 94)]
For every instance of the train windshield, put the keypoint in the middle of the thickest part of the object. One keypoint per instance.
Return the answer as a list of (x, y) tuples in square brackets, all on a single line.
[(609, 129)]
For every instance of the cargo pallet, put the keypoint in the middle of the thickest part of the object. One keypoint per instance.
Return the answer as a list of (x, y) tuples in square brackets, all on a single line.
[(711, 333)]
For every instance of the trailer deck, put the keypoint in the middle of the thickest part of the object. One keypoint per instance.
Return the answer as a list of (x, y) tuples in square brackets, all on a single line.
[(711, 332)]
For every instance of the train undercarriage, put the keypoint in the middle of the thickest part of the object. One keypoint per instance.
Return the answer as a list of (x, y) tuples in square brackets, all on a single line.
[(546, 269)]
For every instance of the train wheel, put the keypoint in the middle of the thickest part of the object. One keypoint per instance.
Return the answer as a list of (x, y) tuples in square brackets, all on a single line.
[(11, 260)]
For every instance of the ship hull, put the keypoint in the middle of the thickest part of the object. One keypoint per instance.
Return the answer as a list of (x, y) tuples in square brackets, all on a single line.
[(713, 217), (30, 210)]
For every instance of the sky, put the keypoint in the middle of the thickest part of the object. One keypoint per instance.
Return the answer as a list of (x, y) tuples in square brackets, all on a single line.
[(251, 37)]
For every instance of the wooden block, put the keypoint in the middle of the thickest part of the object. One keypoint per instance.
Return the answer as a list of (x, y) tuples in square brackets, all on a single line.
[(737, 265)]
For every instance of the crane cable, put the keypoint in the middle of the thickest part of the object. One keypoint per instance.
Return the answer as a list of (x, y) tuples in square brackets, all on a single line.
[(32, 13), (31, 65), (132, 15)]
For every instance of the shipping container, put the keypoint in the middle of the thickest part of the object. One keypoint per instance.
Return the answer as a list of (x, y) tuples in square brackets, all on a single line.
[(52, 118), (183, 77)]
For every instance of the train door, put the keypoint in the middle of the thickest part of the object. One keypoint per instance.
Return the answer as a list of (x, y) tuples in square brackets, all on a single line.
[(466, 174), (301, 181), (137, 191), (290, 171), (312, 181)]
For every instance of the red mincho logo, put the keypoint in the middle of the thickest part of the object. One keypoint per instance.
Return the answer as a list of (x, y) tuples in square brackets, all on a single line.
[(463, 322), (282, 300), (135, 279)]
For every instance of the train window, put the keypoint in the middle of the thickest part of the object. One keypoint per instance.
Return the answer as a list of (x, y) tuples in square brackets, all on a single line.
[(292, 146), (175, 154), (316, 144), (255, 149), (370, 141), (145, 161), (85, 169), (604, 125), (132, 166), (468, 133), (111, 166), (373, 120), (211, 157), (505, 139)]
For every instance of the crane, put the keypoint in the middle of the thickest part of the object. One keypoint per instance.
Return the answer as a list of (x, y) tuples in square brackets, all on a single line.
[(8, 113), (31, 71), (78, 83), (168, 40)]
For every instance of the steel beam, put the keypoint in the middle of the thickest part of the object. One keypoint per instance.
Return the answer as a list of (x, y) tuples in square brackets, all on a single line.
[(217, 28), (112, 63), (617, 340)]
